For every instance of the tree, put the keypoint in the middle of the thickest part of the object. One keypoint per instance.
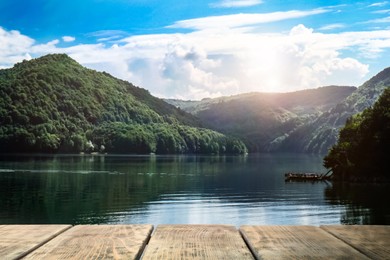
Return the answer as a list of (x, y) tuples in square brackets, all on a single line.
[(363, 148)]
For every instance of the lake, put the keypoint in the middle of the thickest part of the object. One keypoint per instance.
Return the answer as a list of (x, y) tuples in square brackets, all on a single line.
[(180, 189)]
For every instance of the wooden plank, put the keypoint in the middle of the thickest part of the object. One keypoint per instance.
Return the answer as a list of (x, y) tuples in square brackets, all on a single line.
[(373, 241), (18, 240), (196, 242), (96, 242), (296, 242)]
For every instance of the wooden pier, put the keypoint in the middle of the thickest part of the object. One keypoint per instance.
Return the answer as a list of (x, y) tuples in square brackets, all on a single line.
[(193, 242)]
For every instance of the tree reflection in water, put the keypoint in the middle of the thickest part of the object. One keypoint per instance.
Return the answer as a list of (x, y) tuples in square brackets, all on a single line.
[(364, 203)]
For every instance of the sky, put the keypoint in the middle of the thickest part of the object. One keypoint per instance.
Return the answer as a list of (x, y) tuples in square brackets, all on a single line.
[(205, 48)]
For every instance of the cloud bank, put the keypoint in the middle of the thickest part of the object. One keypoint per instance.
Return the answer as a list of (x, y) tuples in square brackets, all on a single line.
[(222, 55)]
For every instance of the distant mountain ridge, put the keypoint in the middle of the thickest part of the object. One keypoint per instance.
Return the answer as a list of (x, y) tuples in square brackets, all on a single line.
[(301, 121), (324, 97)]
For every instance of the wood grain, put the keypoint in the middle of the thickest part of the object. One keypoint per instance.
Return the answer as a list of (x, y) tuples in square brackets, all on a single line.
[(373, 241), (196, 242), (296, 242), (96, 242), (18, 240)]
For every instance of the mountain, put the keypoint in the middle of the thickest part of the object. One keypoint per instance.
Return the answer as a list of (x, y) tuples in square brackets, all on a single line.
[(320, 134), (265, 120), (53, 104), (301, 121)]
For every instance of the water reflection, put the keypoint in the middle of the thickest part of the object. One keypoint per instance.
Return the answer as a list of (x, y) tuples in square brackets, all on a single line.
[(169, 189), (364, 203)]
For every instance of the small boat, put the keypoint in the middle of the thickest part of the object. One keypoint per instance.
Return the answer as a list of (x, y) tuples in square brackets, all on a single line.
[(292, 176)]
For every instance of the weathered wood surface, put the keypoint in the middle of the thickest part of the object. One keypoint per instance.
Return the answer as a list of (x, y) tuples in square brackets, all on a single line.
[(196, 242), (96, 242), (373, 241), (193, 242), (18, 240), (296, 242)]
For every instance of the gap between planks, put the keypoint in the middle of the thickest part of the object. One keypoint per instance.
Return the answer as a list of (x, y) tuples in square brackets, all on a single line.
[(296, 242), (197, 242), (17, 241), (373, 241), (96, 242)]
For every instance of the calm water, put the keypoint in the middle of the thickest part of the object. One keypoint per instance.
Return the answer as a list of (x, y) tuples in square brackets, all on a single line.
[(180, 189)]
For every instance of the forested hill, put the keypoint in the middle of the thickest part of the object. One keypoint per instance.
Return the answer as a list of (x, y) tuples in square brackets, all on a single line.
[(53, 104), (265, 120)]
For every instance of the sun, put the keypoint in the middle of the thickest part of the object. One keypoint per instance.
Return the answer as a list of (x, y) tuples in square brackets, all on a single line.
[(272, 84)]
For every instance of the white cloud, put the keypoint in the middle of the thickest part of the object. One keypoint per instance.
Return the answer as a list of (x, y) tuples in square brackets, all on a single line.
[(236, 3), (108, 35), (380, 20), (379, 4), (385, 11), (68, 38), (53, 42), (14, 47), (189, 67), (240, 20), (333, 26)]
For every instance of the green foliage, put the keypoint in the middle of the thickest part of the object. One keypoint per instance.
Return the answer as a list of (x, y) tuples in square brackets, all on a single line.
[(162, 138), (53, 104), (364, 143)]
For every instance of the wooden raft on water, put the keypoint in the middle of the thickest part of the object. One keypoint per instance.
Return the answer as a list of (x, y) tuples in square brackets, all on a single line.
[(193, 242), (292, 176)]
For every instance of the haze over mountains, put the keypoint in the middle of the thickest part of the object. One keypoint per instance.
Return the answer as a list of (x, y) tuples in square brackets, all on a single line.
[(53, 104), (302, 121)]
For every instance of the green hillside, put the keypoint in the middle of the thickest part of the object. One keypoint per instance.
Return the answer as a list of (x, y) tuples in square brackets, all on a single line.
[(320, 134), (53, 104), (265, 120)]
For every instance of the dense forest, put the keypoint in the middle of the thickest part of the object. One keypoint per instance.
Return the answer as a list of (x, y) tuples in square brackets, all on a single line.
[(362, 151), (53, 104)]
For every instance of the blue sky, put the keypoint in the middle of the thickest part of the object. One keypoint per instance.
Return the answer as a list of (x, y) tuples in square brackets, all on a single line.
[(205, 48)]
